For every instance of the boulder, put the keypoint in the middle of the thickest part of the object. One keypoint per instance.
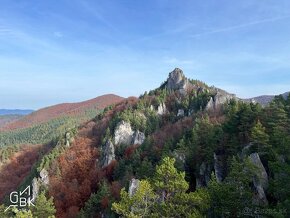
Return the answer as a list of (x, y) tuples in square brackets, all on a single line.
[(260, 180), (108, 153), (123, 134), (134, 184), (138, 138), (180, 113)]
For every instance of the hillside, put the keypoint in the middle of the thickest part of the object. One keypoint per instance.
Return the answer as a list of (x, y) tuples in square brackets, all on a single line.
[(183, 149), (5, 119), (49, 123), (66, 109)]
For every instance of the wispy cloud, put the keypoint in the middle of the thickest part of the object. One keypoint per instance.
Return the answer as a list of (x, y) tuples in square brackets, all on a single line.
[(97, 14), (173, 60), (240, 26), (58, 34), (5, 30)]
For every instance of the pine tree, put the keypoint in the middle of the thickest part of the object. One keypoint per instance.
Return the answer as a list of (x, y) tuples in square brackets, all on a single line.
[(138, 205), (260, 138), (44, 208), (230, 197)]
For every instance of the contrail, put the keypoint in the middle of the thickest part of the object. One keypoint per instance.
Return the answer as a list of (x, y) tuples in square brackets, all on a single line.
[(226, 29)]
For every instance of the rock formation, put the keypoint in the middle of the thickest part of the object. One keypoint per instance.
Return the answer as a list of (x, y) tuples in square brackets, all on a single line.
[(161, 110), (68, 139), (108, 153), (203, 178), (218, 100), (260, 180), (138, 138), (180, 113), (219, 167), (134, 184), (177, 81), (43, 180), (123, 134)]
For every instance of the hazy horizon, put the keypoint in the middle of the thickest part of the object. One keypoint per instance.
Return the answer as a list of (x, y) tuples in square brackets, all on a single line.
[(70, 51)]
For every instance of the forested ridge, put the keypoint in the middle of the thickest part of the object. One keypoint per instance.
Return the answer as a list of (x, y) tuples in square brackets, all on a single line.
[(192, 158)]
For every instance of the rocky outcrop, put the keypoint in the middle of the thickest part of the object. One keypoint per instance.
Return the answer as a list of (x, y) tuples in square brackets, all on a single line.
[(37, 183), (219, 167), (68, 139), (210, 105), (138, 138), (180, 113), (203, 177), (108, 153), (134, 184), (161, 110), (218, 100), (177, 81), (123, 134), (179, 156), (260, 180)]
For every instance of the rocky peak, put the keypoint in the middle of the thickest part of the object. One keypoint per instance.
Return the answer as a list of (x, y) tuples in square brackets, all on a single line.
[(177, 80)]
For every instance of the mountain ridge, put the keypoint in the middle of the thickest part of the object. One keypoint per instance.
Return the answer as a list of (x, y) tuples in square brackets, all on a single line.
[(64, 109)]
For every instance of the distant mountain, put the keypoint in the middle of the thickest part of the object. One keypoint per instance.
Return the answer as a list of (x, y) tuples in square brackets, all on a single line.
[(14, 112), (61, 110), (265, 99)]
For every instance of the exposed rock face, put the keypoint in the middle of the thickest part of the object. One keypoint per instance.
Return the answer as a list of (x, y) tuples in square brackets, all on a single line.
[(134, 184), (161, 109), (180, 113), (68, 139), (219, 167), (203, 178), (210, 105), (218, 100), (179, 156), (43, 180), (35, 189), (138, 138), (108, 153), (123, 134), (177, 81), (260, 180)]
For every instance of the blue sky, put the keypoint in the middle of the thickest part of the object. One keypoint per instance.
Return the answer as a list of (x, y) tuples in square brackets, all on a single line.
[(58, 51)]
